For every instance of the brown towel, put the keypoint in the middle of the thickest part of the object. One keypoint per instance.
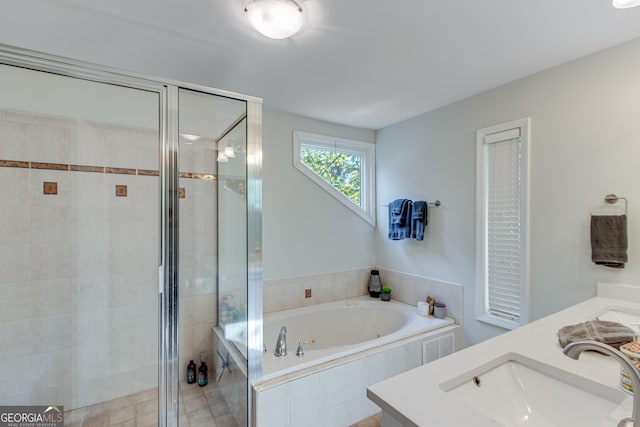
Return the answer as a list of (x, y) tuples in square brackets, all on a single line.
[(609, 240), (611, 333)]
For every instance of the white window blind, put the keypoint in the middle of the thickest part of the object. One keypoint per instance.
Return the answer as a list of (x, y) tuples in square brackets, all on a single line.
[(502, 289), (503, 201)]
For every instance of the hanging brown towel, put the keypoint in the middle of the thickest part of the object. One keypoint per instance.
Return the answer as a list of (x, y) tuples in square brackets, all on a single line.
[(609, 240)]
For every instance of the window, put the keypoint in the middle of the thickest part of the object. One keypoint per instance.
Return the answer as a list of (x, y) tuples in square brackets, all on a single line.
[(502, 224), (344, 168)]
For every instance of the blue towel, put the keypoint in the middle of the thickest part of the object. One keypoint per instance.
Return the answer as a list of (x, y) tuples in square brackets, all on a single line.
[(418, 219), (400, 219)]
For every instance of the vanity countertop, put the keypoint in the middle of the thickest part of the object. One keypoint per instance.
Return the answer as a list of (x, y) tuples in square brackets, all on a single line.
[(415, 397)]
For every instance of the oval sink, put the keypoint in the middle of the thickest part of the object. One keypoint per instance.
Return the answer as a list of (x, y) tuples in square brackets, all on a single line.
[(515, 390)]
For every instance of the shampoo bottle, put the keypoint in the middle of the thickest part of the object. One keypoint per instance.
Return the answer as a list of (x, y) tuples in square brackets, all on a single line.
[(191, 372), (203, 374)]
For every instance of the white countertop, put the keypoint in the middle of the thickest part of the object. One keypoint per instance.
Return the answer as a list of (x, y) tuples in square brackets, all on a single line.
[(415, 397)]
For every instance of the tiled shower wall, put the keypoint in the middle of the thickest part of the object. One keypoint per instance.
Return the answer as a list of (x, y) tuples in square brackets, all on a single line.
[(283, 294), (79, 268), (198, 252)]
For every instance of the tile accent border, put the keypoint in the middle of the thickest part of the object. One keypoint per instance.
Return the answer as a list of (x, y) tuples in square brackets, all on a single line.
[(98, 169), (13, 164)]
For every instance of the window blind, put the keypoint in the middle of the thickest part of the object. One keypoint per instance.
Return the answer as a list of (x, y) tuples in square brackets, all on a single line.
[(503, 214)]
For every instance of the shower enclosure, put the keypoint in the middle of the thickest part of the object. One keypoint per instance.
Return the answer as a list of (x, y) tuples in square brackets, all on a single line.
[(130, 239)]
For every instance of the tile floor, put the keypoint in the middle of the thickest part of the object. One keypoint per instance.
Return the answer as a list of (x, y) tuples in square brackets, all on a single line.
[(199, 407), (372, 421)]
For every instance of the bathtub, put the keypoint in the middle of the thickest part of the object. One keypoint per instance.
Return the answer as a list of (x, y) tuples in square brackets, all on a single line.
[(339, 329)]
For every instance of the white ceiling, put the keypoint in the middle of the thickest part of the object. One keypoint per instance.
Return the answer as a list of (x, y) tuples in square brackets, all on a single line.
[(367, 63)]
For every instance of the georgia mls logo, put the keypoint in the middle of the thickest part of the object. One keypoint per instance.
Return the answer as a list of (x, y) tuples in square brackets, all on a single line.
[(32, 416)]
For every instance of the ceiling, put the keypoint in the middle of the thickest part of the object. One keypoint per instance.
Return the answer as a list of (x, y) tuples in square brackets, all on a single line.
[(365, 63)]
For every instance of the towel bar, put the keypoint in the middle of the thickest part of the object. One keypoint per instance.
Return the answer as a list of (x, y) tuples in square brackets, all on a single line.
[(436, 203)]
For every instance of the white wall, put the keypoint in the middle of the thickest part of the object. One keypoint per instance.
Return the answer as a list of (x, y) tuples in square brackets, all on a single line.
[(305, 230), (585, 143)]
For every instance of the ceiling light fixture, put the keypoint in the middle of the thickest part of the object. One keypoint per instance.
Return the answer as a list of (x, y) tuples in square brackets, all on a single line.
[(229, 152), (276, 19), (190, 137), (624, 4), (222, 158)]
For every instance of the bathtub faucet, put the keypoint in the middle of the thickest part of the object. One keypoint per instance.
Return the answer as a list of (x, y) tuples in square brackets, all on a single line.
[(281, 344)]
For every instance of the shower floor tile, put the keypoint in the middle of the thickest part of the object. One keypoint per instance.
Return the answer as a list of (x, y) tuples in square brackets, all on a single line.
[(199, 406)]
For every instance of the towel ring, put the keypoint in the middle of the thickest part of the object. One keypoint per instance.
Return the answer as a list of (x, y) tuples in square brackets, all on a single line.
[(612, 198)]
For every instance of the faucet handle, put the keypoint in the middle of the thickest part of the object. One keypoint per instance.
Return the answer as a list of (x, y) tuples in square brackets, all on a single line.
[(300, 351)]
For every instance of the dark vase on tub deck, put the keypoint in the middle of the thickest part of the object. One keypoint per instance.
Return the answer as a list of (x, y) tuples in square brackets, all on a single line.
[(374, 284)]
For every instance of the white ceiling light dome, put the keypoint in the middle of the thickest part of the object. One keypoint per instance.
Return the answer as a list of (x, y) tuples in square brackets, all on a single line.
[(624, 4), (276, 19)]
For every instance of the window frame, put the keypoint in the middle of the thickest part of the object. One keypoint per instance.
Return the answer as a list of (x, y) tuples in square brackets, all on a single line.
[(482, 286), (366, 150)]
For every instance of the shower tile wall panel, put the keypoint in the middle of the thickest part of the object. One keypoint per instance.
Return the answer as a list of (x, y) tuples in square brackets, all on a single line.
[(198, 254), (78, 270)]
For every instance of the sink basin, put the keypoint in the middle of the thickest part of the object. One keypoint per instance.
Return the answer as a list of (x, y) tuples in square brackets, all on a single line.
[(515, 390), (626, 316)]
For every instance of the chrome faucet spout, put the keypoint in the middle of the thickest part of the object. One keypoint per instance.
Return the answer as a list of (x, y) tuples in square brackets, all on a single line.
[(281, 343), (574, 349)]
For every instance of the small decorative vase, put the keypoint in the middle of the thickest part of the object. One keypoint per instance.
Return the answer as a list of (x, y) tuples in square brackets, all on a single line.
[(374, 284), (385, 297)]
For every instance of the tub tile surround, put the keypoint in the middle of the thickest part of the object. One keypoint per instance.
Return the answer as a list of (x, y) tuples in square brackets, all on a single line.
[(334, 393), (287, 293), (410, 289), (78, 269)]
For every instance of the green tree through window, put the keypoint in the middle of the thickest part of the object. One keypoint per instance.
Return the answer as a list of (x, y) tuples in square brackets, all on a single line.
[(341, 170), (344, 168)]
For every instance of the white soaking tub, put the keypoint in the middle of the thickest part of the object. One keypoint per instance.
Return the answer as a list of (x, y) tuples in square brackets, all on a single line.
[(352, 344), (339, 329)]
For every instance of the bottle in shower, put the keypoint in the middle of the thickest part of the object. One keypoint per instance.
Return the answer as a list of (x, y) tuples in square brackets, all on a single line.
[(203, 374), (374, 284), (191, 372)]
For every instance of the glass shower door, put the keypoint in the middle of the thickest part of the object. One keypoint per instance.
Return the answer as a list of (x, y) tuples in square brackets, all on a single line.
[(213, 257), (79, 246)]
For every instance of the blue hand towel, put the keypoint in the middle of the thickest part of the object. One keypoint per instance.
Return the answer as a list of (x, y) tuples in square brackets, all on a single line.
[(418, 219), (400, 219)]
